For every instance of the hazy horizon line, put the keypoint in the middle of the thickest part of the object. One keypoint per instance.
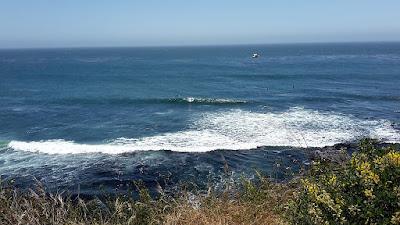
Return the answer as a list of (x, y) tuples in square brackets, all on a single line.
[(199, 45)]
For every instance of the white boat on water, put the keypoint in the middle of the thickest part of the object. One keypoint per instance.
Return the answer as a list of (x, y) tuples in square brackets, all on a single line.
[(255, 55)]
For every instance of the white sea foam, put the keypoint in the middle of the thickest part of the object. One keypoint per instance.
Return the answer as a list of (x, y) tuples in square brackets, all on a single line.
[(237, 129), (207, 100)]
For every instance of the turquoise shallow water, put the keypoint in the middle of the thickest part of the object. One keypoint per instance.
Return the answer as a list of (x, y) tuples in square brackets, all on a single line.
[(102, 116)]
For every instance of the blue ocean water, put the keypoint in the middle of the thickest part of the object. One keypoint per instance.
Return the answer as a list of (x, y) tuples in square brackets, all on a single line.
[(102, 116)]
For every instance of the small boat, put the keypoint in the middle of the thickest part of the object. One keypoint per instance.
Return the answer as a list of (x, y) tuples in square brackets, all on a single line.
[(255, 55)]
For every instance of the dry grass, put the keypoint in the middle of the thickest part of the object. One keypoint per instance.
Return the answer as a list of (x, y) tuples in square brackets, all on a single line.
[(247, 204), (223, 211), (259, 202)]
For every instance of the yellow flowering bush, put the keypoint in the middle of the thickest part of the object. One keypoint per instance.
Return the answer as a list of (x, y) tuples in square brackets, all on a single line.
[(364, 190)]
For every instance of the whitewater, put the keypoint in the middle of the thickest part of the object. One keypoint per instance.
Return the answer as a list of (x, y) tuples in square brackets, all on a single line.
[(78, 119), (237, 130)]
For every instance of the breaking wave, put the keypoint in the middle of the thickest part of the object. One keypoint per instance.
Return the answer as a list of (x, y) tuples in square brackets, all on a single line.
[(236, 130), (129, 101)]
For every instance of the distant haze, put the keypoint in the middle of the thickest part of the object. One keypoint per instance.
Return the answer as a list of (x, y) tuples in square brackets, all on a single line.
[(77, 23)]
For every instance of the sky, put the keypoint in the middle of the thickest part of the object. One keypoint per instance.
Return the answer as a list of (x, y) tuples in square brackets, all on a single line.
[(90, 23)]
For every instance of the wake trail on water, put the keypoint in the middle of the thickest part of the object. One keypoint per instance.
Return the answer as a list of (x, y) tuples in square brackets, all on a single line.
[(237, 130)]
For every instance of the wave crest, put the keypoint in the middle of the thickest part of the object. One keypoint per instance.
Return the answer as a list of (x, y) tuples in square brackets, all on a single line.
[(235, 130), (206, 100), (129, 101)]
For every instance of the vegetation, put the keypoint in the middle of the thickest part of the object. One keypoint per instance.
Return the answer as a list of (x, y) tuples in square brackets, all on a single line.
[(254, 205), (362, 190)]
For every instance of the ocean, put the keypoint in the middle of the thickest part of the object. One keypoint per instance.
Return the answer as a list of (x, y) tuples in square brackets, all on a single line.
[(97, 119)]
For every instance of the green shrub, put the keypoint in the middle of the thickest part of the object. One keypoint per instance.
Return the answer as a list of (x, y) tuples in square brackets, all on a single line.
[(364, 190)]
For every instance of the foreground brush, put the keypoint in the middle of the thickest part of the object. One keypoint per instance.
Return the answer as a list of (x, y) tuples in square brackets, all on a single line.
[(361, 190)]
